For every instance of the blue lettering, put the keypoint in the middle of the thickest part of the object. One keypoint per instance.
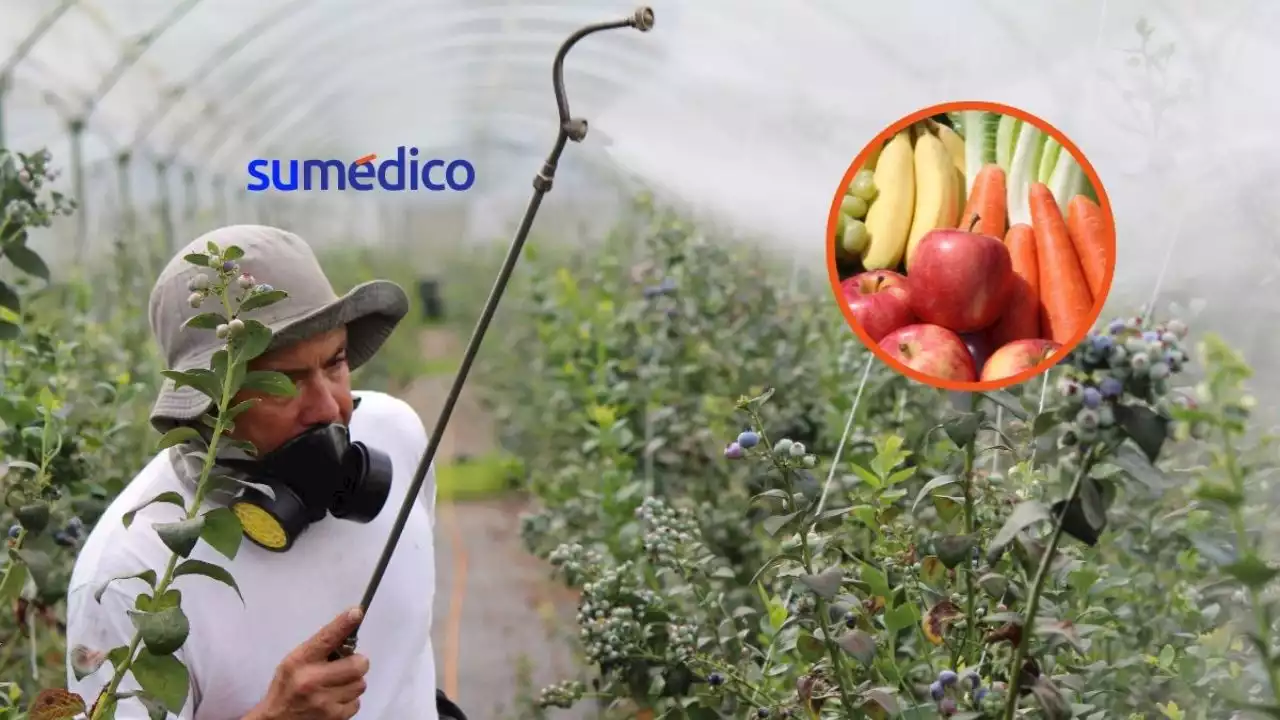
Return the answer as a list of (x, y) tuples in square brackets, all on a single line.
[(426, 175), (260, 181), (359, 174), (323, 165), (393, 174), (292, 184), (398, 165), (465, 166)]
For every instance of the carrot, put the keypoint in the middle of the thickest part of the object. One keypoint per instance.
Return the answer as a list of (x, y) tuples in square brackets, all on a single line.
[(1021, 318), (1094, 239), (987, 201), (1064, 292)]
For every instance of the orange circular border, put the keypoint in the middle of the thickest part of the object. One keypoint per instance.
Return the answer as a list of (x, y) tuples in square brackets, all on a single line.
[(1104, 203)]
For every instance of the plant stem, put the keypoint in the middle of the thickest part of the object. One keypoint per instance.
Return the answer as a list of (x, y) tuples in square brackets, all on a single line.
[(1037, 586), (1242, 540), (970, 452), (163, 585)]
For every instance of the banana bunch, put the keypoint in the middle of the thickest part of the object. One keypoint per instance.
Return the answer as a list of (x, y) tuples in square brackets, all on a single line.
[(919, 183)]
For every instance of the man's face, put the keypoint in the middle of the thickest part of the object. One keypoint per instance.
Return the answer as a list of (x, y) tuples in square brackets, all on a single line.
[(318, 368)]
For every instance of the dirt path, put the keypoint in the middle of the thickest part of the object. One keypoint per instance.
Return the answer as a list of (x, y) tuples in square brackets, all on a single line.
[(499, 618)]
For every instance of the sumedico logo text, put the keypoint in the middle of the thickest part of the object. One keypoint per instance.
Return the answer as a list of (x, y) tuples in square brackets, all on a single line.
[(404, 171)]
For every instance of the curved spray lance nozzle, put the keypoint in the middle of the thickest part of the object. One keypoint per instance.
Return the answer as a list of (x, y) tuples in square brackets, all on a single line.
[(570, 129)]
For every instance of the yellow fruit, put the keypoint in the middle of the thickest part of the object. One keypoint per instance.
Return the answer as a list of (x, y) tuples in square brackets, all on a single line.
[(874, 155), (889, 219), (936, 204), (955, 145)]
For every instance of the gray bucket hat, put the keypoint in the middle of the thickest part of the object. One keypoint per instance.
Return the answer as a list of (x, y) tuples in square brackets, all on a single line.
[(370, 311)]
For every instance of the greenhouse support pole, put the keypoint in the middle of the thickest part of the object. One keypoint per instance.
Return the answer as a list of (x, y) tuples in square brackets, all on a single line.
[(571, 128), (123, 159), (165, 208), (4, 90), (76, 128), (219, 184), (190, 199)]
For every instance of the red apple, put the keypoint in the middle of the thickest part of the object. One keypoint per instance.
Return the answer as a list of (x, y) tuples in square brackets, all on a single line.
[(1018, 356), (932, 350), (960, 280), (879, 300)]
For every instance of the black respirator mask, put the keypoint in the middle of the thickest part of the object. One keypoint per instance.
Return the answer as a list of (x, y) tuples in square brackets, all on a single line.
[(317, 473)]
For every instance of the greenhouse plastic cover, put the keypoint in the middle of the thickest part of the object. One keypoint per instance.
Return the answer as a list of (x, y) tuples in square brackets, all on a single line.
[(746, 113)]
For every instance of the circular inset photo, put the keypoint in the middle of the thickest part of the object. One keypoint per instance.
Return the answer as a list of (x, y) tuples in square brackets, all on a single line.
[(971, 246)]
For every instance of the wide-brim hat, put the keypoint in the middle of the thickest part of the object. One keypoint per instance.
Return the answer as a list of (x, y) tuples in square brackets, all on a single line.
[(370, 311)]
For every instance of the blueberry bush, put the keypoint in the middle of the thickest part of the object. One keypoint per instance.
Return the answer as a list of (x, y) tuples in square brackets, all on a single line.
[(681, 413)]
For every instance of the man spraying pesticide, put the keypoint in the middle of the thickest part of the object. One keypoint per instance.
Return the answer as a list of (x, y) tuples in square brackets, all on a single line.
[(285, 648)]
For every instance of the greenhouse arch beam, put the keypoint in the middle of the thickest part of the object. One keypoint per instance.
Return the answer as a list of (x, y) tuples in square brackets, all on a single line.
[(442, 24)]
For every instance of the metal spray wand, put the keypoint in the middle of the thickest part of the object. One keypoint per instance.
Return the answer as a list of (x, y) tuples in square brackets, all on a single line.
[(571, 128)]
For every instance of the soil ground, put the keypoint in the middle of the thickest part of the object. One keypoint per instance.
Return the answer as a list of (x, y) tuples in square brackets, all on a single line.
[(497, 613)]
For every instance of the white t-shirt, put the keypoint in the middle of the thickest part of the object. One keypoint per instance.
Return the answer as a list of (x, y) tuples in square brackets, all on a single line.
[(233, 649)]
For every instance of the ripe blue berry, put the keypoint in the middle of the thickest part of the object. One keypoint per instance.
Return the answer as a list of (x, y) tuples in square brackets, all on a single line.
[(1092, 398), (850, 619), (973, 679), (1111, 387), (1102, 343), (748, 439), (979, 694), (229, 266), (1151, 336), (263, 288), (733, 451), (14, 530), (716, 679), (947, 677), (936, 690), (1116, 327), (762, 713)]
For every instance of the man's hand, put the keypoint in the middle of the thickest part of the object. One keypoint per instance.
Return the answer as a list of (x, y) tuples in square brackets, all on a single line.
[(308, 686)]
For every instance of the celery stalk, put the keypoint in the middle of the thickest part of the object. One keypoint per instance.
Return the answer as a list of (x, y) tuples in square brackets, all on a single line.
[(1066, 181), (979, 131), (1006, 134), (1023, 171), (1048, 159)]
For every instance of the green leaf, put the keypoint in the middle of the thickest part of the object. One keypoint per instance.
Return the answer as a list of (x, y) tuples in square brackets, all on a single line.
[(262, 299), (858, 644), (39, 566), (240, 407), (147, 576), (209, 570), (1145, 427), (163, 677), (169, 496), (1252, 571), (163, 631), (9, 298), (865, 514), (826, 584), (877, 581), (15, 578), (270, 382), (1211, 491), (963, 428), (202, 379), (9, 331), (774, 561), (929, 487), (955, 549), (901, 617), (1007, 401), (932, 571), (26, 260), (1045, 422), (205, 321), (233, 252), (994, 584), (254, 341), (197, 259), (222, 531), (1023, 516), (181, 536), (1137, 466), (177, 435), (809, 647), (774, 523)]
